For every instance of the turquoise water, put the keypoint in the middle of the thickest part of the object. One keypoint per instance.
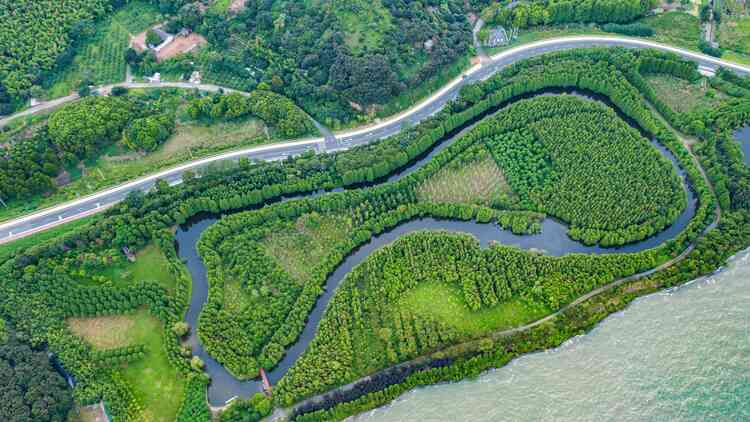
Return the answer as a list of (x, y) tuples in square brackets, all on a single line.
[(682, 355)]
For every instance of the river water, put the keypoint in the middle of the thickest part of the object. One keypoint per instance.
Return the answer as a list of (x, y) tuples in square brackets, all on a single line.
[(743, 137), (681, 355)]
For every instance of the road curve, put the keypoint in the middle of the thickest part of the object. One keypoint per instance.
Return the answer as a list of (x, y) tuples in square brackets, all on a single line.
[(51, 217)]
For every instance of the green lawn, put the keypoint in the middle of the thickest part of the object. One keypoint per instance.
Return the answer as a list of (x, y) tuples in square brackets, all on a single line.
[(101, 57), (446, 304), (155, 382), (365, 23), (150, 265), (220, 6)]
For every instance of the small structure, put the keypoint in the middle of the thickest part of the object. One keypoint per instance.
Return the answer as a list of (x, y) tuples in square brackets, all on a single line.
[(500, 37), (195, 77), (171, 45), (266, 383), (497, 37), (128, 253), (429, 44), (154, 79)]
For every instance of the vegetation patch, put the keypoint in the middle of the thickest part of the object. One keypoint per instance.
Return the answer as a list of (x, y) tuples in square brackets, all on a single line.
[(554, 164), (476, 181), (106, 332), (34, 34), (101, 58), (156, 384), (301, 246), (684, 96), (447, 305), (734, 34), (675, 28), (114, 269), (32, 390)]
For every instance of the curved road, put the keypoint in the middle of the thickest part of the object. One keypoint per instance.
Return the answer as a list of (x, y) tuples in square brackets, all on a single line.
[(94, 203)]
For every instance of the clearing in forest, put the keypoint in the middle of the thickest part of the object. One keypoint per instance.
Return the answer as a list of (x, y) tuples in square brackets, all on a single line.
[(480, 181), (684, 96), (105, 332), (156, 383), (300, 247)]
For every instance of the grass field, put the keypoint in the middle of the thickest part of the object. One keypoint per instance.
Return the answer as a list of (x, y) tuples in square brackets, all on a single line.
[(675, 28), (101, 58), (446, 304), (220, 6), (480, 182), (156, 384), (683, 96), (734, 34), (150, 265), (303, 246)]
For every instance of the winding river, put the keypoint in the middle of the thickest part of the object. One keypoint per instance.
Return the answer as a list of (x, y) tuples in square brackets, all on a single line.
[(552, 240), (743, 138)]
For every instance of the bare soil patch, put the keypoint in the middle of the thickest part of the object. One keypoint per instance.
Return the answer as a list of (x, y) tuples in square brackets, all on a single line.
[(106, 332), (181, 44)]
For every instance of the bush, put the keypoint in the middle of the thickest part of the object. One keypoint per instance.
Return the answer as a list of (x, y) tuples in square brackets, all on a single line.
[(633, 29), (119, 91), (706, 48), (181, 328), (152, 38), (197, 363), (147, 133)]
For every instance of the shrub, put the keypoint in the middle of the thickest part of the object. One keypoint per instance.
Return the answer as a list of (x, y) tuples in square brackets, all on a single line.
[(632, 29)]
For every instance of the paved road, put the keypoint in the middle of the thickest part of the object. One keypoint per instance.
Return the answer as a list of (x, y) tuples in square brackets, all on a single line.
[(51, 217)]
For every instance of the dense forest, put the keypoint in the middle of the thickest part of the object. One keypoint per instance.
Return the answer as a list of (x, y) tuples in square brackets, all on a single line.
[(46, 283), (547, 12), (38, 35), (32, 390), (327, 54)]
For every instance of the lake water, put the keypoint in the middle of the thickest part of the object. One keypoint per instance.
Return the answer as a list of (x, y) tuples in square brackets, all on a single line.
[(682, 355)]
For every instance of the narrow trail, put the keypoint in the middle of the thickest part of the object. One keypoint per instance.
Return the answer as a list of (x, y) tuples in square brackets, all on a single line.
[(282, 414)]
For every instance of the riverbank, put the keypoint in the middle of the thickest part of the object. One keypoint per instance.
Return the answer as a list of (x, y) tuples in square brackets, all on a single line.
[(673, 355)]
